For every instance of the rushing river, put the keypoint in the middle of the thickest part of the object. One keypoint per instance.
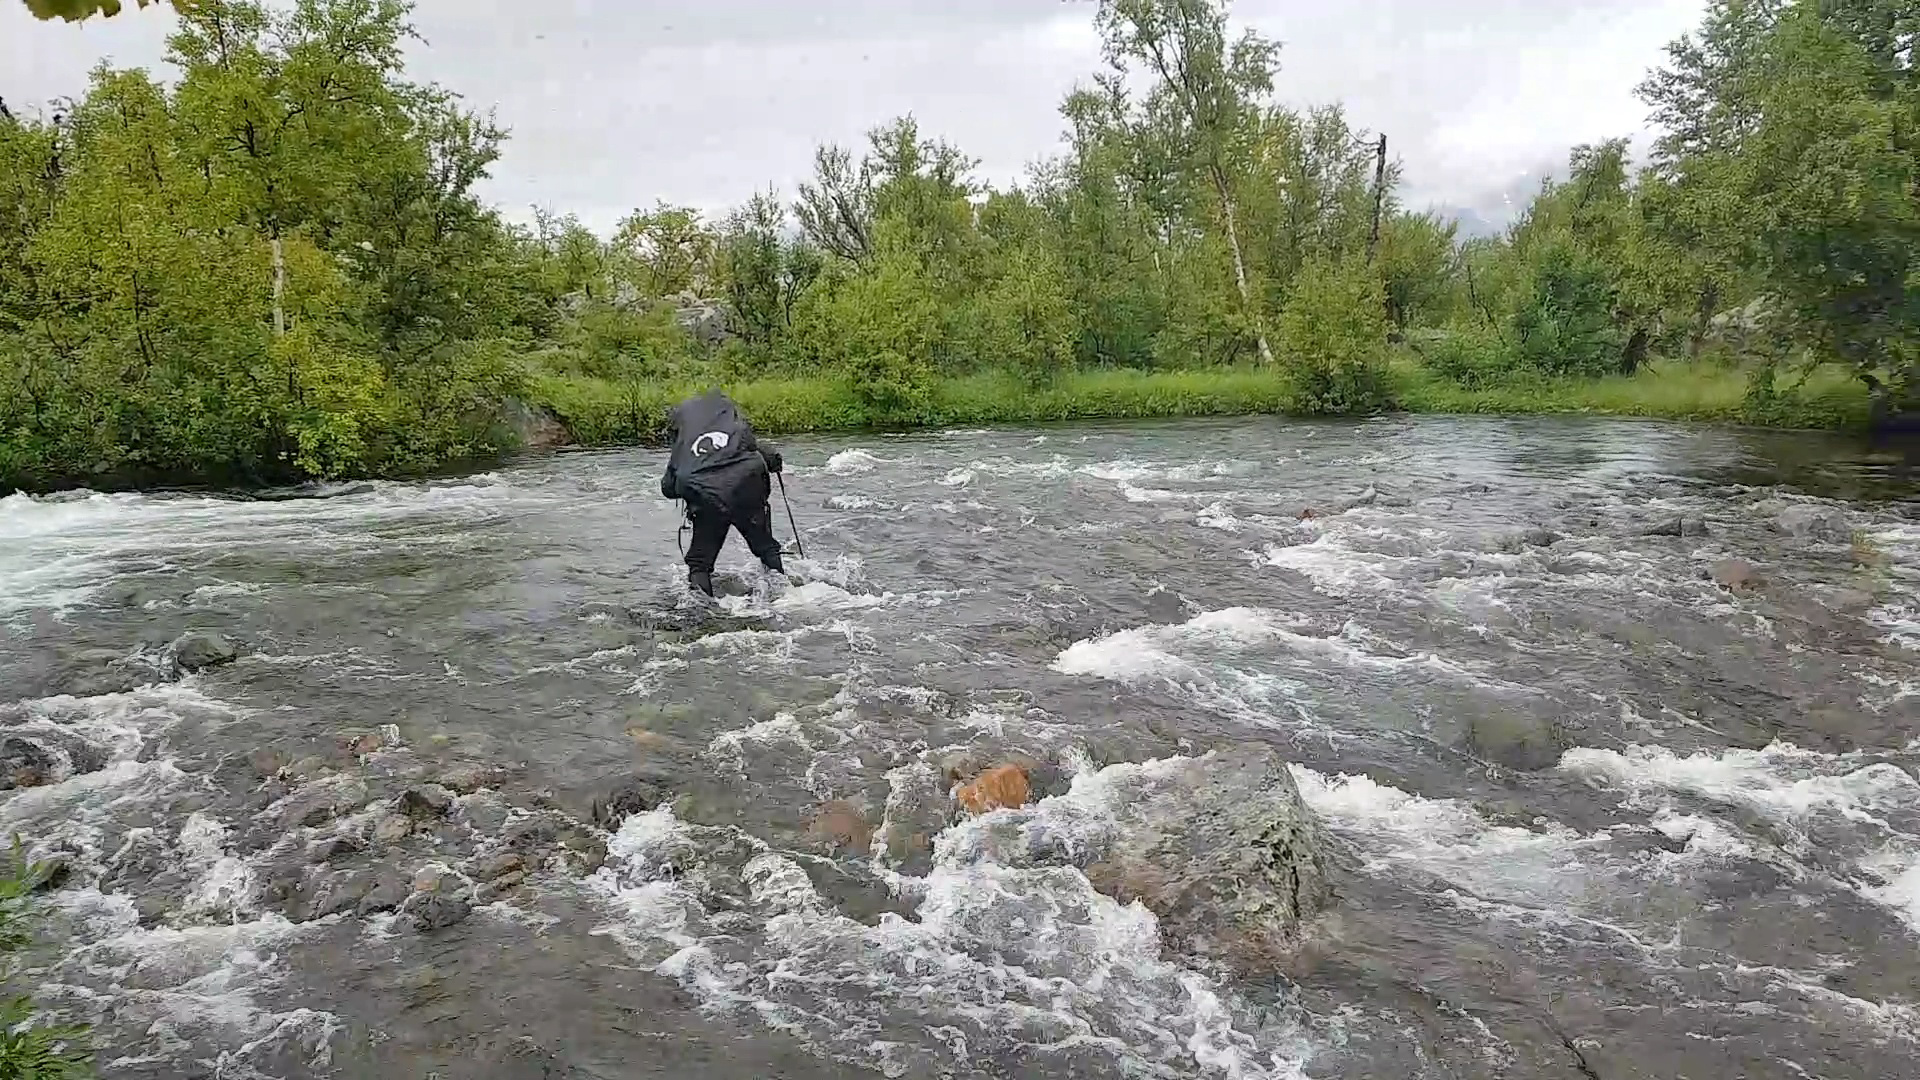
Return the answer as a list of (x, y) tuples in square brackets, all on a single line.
[(1606, 804)]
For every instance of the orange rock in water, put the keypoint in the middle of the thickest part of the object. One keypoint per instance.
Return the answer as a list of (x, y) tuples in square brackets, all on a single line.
[(998, 787)]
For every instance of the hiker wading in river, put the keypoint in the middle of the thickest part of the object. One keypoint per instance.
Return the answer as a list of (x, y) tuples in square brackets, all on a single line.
[(721, 471)]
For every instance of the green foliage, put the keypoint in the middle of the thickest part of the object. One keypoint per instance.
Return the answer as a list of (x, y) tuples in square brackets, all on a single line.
[(753, 269), (599, 414), (1795, 150), (627, 342), (1562, 323), (341, 401), (1831, 398), (1334, 335), (1417, 262), (82, 10), (1470, 355), (1023, 321), (665, 251), (880, 328), (273, 269), (31, 1049)]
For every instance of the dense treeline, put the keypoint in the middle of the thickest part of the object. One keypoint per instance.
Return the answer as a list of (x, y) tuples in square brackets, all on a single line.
[(276, 267)]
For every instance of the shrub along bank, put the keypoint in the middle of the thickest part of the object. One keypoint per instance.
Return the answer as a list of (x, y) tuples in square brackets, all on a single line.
[(603, 413)]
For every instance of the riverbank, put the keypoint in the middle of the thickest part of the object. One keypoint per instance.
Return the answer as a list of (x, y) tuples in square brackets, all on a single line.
[(566, 410), (1831, 399), (603, 413)]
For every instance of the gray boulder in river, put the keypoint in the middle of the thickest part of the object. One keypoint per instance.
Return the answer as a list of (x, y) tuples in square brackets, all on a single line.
[(199, 650), (1220, 847), (1814, 522)]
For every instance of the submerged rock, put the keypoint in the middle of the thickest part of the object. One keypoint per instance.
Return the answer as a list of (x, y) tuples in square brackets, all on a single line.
[(33, 758), (424, 802), (336, 895), (432, 911), (583, 854), (1365, 498), (840, 824), (493, 890), (389, 891), (485, 812), (629, 798), (536, 832), (1850, 600), (960, 765), (330, 848), (918, 807), (267, 762), (94, 672), (1814, 523), (467, 779), (322, 801), (1536, 536), (1517, 740), (495, 866), (1678, 525), (540, 837), (966, 767), (1224, 851), (1738, 575), (50, 873), (200, 650), (392, 829)]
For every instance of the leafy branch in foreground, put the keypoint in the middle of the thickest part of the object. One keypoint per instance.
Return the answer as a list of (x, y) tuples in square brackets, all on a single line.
[(30, 1050), (82, 10)]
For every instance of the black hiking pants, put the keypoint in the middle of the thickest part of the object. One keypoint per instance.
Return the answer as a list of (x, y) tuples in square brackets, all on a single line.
[(710, 525)]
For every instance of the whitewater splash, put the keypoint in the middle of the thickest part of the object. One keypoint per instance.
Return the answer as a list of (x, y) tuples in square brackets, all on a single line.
[(58, 552), (995, 963)]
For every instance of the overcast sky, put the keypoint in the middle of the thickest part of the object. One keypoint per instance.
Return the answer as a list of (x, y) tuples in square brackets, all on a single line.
[(614, 103)]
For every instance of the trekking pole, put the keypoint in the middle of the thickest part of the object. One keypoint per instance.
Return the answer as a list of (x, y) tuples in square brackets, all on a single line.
[(798, 545)]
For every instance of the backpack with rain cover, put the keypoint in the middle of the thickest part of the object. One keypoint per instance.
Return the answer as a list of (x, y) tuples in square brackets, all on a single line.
[(715, 459)]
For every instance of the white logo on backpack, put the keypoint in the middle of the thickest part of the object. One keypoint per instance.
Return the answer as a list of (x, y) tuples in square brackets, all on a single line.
[(708, 443)]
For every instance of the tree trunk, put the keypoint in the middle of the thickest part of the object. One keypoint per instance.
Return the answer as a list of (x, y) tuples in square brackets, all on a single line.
[(1240, 267), (1379, 196), (1703, 322), (1635, 353)]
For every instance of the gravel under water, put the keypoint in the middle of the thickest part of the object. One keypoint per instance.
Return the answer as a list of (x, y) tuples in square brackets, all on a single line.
[(1614, 728)]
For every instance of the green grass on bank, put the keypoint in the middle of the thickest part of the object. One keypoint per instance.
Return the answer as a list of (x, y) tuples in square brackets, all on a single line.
[(601, 413), (604, 413), (1831, 398)]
